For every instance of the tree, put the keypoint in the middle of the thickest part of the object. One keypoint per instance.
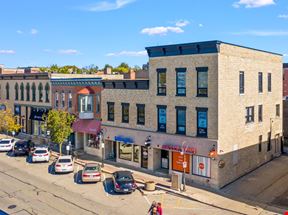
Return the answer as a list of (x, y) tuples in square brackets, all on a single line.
[(8, 122), (59, 123)]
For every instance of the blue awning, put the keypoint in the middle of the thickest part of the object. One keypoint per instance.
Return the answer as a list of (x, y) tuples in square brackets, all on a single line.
[(124, 139)]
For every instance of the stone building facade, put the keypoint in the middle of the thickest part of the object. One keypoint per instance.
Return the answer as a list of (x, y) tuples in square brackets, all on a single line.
[(212, 108)]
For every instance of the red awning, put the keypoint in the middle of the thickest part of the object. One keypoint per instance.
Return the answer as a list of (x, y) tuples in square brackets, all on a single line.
[(87, 126)]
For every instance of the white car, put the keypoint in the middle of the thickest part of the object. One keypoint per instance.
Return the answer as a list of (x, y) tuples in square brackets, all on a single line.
[(64, 164), (40, 155), (6, 145)]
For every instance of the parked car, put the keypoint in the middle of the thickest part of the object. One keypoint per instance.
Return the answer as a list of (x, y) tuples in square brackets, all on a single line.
[(40, 154), (64, 164), (91, 172), (6, 145), (123, 182), (23, 147)]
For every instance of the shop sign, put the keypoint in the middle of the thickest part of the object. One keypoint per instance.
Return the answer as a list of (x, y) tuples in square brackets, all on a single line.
[(189, 150), (179, 163), (201, 166), (124, 139)]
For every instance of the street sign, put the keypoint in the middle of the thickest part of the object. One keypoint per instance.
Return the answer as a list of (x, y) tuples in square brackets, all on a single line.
[(184, 165)]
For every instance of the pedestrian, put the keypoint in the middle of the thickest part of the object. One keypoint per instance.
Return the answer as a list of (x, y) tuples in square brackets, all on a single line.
[(159, 209), (153, 209)]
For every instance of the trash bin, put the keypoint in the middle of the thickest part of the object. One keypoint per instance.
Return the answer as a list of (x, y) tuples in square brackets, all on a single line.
[(176, 179), (149, 186)]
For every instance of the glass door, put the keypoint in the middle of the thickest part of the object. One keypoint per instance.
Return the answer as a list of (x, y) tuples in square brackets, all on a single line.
[(144, 157)]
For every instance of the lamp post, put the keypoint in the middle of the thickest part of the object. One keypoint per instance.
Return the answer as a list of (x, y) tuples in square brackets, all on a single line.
[(184, 165), (101, 138)]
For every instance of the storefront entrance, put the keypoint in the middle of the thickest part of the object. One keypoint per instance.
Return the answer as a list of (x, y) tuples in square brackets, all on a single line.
[(144, 157), (164, 159)]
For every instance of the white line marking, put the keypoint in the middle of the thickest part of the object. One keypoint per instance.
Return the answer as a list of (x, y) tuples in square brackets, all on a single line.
[(145, 197), (105, 184)]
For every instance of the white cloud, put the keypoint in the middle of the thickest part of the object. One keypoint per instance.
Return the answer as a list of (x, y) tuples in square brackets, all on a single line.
[(285, 55), (128, 53), (34, 31), (283, 16), (68, 51), (182, 23), (253, 3), (7, 51), (200, 25), (262, 33), (107, 5), (19, 32), (161, 30)]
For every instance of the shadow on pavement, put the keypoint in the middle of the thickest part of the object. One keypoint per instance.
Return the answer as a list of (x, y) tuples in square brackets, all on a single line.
[(10, 154), (109, 187), (78, 177)]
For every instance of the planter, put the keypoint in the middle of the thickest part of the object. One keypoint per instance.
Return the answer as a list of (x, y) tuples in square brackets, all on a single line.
[(150, 186)]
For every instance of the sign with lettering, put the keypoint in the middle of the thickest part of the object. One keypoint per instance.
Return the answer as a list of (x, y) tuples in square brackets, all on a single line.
[(188, 150)]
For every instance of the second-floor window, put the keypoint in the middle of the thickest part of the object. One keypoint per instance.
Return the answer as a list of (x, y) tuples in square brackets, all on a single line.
[(27, 92), (162, 118), (277, 110), (16, 91), (260, 82), (181, 120), (180, 81), (260, 113), (22, 92), (56, 100), (47, 89), (249, 114), (241, 82), (86, 103), (40, 91), (202, 81), (202, 122), (98, 103), (161, 82), (140, 114), (70, 100), (63, 99), (110, 108), (125, 112), (33, 92), (7, 91), (269, 77)]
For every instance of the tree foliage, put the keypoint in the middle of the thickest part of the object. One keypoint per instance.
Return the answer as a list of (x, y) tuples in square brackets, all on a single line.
[(59, 123), (8, 121)]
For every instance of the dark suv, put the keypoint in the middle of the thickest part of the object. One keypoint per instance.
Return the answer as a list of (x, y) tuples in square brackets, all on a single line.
[(23, 147)]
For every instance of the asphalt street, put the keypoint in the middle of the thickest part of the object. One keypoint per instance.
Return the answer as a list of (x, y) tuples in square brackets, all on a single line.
[(27, 188)]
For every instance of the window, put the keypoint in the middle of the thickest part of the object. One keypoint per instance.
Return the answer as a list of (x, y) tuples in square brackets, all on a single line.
[(201, 166), (98, 103), (136, 152), (202, 122), (22, 91), (140, 114), (181, 81), (63, 99), (16, 91), (260, 144), (161, 118), (70, 100), (47, 89), (260, 82), (269, 142), (161, 82), (181, 120), (277, 110), (125, 112), (7, 91), (269, 82), (260, 113), (33, 92), (202, 81), (86, 103), (125, 151), (56, 100), (241, 82), (249, 114), (110, 107), (27, 92), (40, 91)]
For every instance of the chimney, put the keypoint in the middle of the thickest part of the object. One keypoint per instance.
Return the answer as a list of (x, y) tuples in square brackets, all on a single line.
[(108, 71)]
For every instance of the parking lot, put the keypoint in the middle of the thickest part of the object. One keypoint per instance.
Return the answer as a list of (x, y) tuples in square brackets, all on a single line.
[(34, 189)]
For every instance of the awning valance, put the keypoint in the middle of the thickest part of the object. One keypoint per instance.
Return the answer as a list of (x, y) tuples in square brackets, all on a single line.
[(87, 126)]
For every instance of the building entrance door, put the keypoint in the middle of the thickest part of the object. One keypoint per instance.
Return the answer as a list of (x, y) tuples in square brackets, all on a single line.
[(144, 157), (164, 159)]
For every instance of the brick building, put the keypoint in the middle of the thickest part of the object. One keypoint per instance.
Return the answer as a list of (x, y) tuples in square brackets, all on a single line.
[(219, 104)]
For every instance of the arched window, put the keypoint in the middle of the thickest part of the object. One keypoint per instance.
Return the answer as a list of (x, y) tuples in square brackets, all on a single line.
[(47, 89), (22, 91), (33, 92), (40, 90), (27, 92), (16, 91), (7, 91)]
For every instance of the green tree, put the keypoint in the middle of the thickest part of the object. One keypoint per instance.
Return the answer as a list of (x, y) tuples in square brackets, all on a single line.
[(59, 123), (8, 122)]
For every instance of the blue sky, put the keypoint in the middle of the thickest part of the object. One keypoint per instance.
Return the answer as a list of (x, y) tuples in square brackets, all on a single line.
[(71, 32)]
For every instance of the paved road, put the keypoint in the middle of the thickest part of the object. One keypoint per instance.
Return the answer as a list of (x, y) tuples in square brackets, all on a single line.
[(31, 189)]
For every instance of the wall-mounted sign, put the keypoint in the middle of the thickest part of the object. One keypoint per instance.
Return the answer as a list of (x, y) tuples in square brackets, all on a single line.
[(179, 162), (188, 150), (221, 164), (124, 139)]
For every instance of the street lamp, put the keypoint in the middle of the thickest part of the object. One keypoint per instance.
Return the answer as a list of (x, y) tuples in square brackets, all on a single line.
[(184, 165), (101, 138)]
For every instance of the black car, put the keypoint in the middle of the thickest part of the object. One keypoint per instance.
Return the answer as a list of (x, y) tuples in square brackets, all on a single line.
[(23, 147), (124, 182)]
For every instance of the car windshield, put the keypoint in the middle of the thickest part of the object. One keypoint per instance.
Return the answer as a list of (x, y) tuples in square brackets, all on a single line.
[(64, 160), (40, 152), (4, 142), (92, 168), (19, 144), (124, 178)]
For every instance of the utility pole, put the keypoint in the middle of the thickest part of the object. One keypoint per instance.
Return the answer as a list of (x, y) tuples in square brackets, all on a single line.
[(184, 166)]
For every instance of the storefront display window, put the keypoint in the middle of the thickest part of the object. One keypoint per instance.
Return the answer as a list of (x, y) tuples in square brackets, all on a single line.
[(201, 166), (93, 141), (162, 118), (202, 122), (136, 152), (125, 151)]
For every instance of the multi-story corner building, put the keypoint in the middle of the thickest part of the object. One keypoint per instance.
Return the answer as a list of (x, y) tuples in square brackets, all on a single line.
[(27, 93), (212, 108), (285, 102)]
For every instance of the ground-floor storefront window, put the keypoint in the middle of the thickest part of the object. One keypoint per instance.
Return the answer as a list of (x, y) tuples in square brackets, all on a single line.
[(136, 152), (93, 141), (178, 160), (125, 151), (201, 166)]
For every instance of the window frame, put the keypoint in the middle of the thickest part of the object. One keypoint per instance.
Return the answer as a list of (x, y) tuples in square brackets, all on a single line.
[(47, 89), (140, 122), (88, 108), (125, 144), (178, 109), (249, 118), (110, 116), (125, 105), (22, 92), (40, 91), (202, 70), (33, 92), (241, 82), (260, 143), (16, 92), (70, 100), (269, 82), (260, 82), (98, 103), (56, 100), (277, 110), (179, 71), (7, 91), (204, 129), (160, 88), (27, 92), (260, 113), (159, 129)]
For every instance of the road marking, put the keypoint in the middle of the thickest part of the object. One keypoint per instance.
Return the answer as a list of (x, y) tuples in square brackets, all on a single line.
[(147, 200), (105, 184)]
